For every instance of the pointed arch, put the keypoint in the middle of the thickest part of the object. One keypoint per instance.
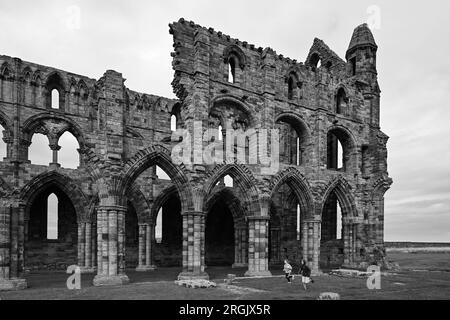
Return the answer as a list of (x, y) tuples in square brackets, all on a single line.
[(55, 81), (299, 185), (156, 155), (242, 178), (165, 194), (5, 70), (231, 199), (52, 178), (33, 123), (343, 191), (140, 203), (6, 122)]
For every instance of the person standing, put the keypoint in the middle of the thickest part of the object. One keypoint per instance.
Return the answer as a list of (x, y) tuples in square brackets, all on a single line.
[(287, 270), (305, 271)]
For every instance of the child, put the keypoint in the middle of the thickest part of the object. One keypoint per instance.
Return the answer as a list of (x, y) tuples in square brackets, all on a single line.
[(305, 271), (287, 270)]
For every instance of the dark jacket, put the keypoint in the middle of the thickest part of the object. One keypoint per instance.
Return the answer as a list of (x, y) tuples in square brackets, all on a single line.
[(305, 271)]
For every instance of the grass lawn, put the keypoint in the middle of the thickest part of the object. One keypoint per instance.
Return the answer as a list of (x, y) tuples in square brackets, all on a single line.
[(412, 282)]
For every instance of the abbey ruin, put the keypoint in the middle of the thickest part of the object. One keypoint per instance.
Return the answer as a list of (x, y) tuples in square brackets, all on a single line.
[(325, 201)]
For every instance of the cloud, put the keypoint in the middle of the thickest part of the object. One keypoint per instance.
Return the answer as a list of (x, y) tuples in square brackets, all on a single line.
[(132, 37)]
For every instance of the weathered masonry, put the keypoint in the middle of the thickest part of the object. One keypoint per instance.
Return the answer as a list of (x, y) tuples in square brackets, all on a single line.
[(116, 211)]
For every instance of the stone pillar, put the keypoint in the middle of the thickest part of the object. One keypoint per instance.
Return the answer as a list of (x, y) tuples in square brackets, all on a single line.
[(81, 244), (311, 243), (275, 245), (85, 247), (111, 246), (258, 246), (240, 247), (145, 248), (193, 243), (11, 247), (55, 148), (94, 245), (351, 242)]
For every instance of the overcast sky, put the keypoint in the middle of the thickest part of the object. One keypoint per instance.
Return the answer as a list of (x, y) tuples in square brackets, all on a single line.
[(414, 69)]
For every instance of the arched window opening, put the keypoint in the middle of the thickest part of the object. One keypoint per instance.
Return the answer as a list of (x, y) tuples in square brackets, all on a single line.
[(220, 133), (228, 181), (338, 221), (299, 156), (340, 156), (341, 101), (52, 217), (158, 227), (39, 152), (219, 235), (161, 174), (173, 123), (68, 155), (331, 239), (3, 149), (169, 233), (231, 70), (315, 61), (290, 88), (336, 153), (298, 222), (55, 99)]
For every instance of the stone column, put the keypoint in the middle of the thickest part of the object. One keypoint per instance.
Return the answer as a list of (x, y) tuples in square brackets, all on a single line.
[(275, 245), (145, 248), (258, 246), (85, 256), (55, 148), (193, 243), (240, 247), (94, 245), (351, 242), (11, 247), (81, 244), (111, 246), (311, 243)]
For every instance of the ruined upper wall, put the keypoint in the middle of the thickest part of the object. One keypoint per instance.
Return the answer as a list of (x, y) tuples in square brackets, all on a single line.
[(201, 52)]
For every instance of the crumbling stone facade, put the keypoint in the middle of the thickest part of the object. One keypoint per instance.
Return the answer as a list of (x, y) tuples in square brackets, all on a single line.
[(108, 206)]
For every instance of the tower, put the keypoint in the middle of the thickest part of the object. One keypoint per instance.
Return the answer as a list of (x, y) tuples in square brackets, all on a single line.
[(361, 59)]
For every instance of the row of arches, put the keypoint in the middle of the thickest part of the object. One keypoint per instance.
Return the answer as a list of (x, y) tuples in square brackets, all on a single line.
[(49, 92), (54, 226), (291, 226)]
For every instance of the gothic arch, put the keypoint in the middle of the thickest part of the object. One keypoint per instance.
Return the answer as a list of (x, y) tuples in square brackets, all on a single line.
[(298, 184), (6, 122), (157, 155), (380, 186), (137, 198), (242, 177), (160, 200), (343, 191), (5, 70), (64, 183), (232, 201), (34, 123)]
